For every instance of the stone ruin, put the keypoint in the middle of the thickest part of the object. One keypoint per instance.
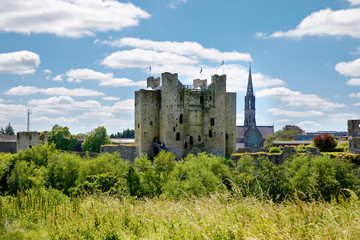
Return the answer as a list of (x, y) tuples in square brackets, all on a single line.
[(354, 136)]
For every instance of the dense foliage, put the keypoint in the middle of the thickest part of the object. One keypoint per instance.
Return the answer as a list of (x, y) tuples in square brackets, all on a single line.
[(128, 133), (95, 139), (293, 127), (325, 141), (287, 133), (9, 130), (274, 150), (62, 138)]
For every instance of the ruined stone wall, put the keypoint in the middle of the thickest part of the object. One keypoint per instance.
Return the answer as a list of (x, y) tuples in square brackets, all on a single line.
[(26, 140), (354, 136), (230, 128), (126, 152), (147, 119)]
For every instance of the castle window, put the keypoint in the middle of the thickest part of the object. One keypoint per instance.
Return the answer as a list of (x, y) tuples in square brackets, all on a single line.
[(185, 145), (210, 97), (181, 118), (174, 129), (212, 121), (177, 136), (191, 141), (226, 136), (201, 99), (151, 123), (30, 137), (138, 125), (210, 133), (199, 138)]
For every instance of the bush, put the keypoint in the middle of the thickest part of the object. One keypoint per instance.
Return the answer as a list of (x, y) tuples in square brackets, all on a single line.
[(301, 149), (274, 150), (95, 139), (325, 141)]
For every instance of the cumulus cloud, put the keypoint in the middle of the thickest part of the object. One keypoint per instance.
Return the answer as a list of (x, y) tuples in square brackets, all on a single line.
[(342, 117), (47, 71), (57, 120), (354, 82), (22, 62), (69, 18), (291, 113), (190, 49), (327, 23), (104, 79), (28, 90), (298, 99), (349, 68), (309, 123), (111, 98), (64, 102), (285, 120), (355, 95)]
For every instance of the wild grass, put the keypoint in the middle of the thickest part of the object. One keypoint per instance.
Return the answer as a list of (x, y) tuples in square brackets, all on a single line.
[(220, 216)]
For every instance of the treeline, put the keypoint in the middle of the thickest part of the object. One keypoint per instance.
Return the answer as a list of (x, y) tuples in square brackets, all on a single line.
[(128, 133), (306, 177)]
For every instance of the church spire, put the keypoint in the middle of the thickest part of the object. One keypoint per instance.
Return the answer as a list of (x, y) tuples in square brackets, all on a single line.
[(250, 85)]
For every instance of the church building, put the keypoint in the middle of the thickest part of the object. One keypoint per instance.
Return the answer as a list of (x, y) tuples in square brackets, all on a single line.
[(250, 135)]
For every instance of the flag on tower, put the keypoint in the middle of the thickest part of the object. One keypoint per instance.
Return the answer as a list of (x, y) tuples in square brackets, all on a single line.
[(201, 70), (222, 63)]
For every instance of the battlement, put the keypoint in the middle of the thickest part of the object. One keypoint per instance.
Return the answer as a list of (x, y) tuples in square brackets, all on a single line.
[(153, 82)]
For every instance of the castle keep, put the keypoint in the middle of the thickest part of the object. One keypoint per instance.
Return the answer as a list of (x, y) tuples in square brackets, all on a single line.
[(188, 119)]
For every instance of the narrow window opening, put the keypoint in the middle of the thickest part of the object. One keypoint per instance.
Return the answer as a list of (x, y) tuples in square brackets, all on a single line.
[(226, 136), (191, 140), (185, 145), (212, 121), (30, 137), (210, 133), (151, 123), (174, 129), (199, 138), (177, 136), (138, 125), (201, 99), (181, 118), (210, 97)]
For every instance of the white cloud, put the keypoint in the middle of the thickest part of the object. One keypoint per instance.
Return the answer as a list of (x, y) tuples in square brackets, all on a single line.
[(175, 3), (354, 82), (327, 23), (47, 71), (13, 110), (22, 62), (104, 79), (58, 78), (192, 50), (282, 120), (111, 98), (291, 113), (138, 58), (59, 91), (97, 115), (64, 103), (53, 121), (298, 99), (354, 2), (356, 51), (127, 105), (342, 117), (69, 18), (309, 123), (355, 95), (349, 68)]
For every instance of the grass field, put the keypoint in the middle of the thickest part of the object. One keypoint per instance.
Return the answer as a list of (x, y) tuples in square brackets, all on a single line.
[(35, 216)]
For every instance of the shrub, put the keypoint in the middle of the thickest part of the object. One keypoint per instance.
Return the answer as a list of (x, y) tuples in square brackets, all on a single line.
[(274, 150), (325, 141), (301, 149), (95, 139)]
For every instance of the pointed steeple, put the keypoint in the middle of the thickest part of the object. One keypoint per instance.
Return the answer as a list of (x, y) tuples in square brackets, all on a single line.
[(250, 85)]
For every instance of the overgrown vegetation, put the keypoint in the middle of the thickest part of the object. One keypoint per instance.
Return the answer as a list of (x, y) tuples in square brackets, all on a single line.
[(62, 138), (94, 139), (51, 194), (287, 133)]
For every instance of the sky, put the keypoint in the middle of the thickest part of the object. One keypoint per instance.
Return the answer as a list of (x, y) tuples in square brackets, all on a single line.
[(78, 63)]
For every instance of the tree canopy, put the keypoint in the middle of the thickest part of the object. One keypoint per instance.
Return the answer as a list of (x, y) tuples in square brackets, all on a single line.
[(8, 130), (287, 133), (62, 138), (95, 139), (128, 133)]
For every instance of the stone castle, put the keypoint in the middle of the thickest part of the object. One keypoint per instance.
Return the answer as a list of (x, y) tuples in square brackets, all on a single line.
[(188, 119)]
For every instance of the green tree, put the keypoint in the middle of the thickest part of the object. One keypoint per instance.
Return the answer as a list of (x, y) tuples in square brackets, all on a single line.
[(280, 135), (9, 130), (95, 139), (124, 134), (62, 138)]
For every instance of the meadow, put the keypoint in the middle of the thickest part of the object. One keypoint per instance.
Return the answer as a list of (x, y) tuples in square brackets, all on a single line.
[(48, 194)]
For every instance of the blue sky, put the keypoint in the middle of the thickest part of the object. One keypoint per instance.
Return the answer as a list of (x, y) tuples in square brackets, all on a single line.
[(77, 63)]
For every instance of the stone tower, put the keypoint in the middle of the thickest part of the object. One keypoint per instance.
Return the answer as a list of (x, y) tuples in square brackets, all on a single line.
[(252, 137), (249, 104)]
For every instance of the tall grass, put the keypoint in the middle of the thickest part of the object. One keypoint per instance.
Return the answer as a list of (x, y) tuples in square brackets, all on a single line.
[(39, 216)]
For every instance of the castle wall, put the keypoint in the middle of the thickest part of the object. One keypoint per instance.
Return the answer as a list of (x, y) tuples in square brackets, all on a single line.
[(230, 127), (126, 152), (26, 140), (147, 119)]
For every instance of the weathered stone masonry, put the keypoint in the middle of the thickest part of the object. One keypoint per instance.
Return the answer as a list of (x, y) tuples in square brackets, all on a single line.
[(187, 119)]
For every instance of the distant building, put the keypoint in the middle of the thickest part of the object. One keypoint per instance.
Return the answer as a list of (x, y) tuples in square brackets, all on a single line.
[(309, 136), (188, 119), (250, 135), (8, 143)]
